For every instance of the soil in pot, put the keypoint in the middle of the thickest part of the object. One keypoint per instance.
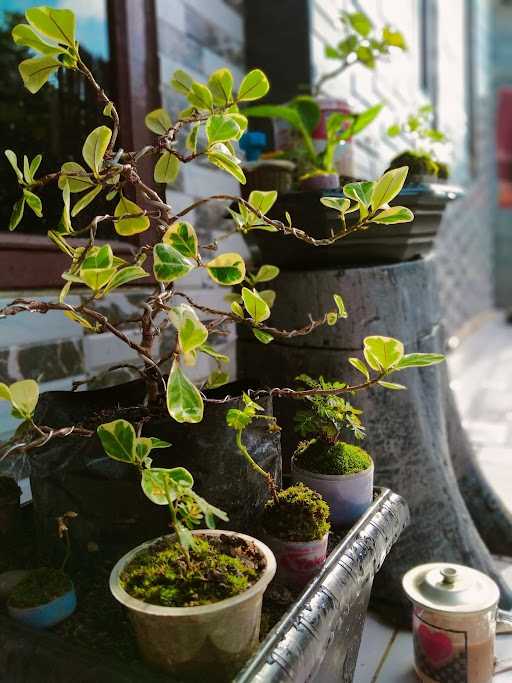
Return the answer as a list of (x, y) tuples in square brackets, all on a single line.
[(113, 512), (43, 598), (296, 527), (40, 587), (220, 567), (342, 473)]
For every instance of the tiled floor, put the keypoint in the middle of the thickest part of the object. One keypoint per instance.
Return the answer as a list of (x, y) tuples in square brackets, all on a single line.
[(481, 371)]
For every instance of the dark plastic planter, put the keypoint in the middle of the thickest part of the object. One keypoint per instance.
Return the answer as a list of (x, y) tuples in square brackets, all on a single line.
[(377, 245), (316, 640), (113, 512)]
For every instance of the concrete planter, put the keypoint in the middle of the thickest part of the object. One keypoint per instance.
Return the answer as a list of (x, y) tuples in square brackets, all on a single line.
[(297, 562), (347, 495), (189, 641), (316, 640)]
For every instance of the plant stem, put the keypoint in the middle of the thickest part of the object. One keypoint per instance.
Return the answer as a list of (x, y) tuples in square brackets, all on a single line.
[(68, 551), (174, 522), (269, 478)]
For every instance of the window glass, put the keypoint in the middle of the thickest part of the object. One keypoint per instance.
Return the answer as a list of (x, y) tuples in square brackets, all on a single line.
[(56, 120)]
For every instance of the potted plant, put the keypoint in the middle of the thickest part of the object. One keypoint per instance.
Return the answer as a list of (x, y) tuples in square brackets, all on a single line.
[(45, 596), (342, 472), (315, 127), (426, 142), (295, 525), (162, 399), (194, 598), (294, 522), (315, 167), (427, 191)]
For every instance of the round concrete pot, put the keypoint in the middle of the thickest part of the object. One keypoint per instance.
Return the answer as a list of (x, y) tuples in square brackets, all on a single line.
[(297, 562), (347, 495), (49, 614), (213, 640)]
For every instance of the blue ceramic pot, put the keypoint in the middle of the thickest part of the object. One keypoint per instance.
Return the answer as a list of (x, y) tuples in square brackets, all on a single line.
[(44, 616)]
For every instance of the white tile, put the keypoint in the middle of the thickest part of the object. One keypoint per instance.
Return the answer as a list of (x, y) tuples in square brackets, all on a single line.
[(105, 350), (219, 13), (173, 11), (202, 180), (398, 665), (376, 637)]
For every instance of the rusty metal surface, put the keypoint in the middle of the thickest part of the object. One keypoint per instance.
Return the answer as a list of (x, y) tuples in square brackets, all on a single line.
[(318, 639)]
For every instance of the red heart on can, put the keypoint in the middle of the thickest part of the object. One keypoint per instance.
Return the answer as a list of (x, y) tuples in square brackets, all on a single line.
[(438, 647)]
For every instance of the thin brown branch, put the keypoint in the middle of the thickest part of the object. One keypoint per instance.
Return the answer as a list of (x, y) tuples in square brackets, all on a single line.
[(274, 331), (103, 98), (298, 233)]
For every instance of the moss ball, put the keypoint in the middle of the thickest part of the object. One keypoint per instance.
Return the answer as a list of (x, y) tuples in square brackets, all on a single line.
[(419, 163), (218, 568), (340, 458), (298, 514), (40, 587)]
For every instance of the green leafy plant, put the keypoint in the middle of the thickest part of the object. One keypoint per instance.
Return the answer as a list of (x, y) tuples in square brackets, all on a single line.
[(327, 416), (303, 114), (361, 44), (424, 139), (163, 486)]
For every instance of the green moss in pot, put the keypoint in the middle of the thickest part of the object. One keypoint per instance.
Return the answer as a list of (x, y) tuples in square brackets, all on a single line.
[(341, 472), (296, 526)]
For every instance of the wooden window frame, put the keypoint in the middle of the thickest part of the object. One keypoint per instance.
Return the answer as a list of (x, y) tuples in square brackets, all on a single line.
[(32, 261)]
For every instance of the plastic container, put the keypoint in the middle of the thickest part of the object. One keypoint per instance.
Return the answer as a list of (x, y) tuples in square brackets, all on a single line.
[(298, 562), (347, 495), (189, 641), (49, 614)]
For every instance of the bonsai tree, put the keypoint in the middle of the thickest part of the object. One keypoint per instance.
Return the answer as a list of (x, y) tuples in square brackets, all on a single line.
[(209, 127), (322, 424), (422, 157)]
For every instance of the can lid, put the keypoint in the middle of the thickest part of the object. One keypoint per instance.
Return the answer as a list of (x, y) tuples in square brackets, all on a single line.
[(450, 588)]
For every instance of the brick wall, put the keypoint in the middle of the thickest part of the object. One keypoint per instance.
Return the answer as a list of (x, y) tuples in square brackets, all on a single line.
[(465, 244)]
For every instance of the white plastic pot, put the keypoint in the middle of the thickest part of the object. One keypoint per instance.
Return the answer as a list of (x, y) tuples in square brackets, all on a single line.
[(210, 640), (298, 561), (347, 495)]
